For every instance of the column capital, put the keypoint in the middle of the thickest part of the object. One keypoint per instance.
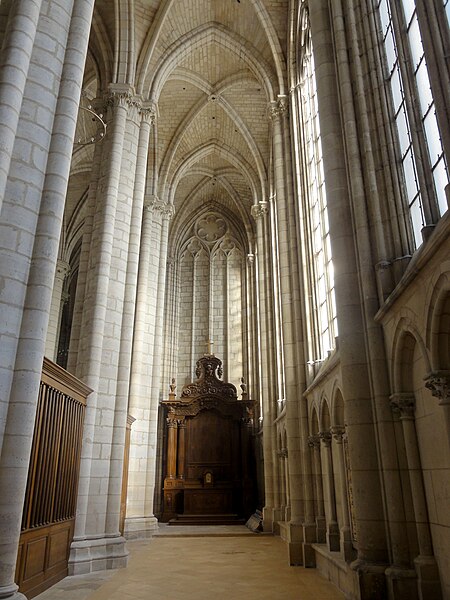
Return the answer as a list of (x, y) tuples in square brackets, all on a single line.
[(148, 112), (260, 210), (278, 108), (325, 438), (438, 382), (62, 268), (250, 259), (120, 95), (314, 441), (154, 205), (403, 403), (338, 433)]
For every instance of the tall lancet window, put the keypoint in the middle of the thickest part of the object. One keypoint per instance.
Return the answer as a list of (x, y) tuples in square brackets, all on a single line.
[(318, 264), (425, 170)]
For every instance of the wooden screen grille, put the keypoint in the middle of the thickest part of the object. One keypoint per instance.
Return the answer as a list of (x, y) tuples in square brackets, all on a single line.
[(55, 459), (48, 518)]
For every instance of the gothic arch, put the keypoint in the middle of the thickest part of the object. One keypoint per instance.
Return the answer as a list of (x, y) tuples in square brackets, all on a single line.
[(337, 408), (405, 339), (438, 324), (228, 154), (234, 116), (157, 27)]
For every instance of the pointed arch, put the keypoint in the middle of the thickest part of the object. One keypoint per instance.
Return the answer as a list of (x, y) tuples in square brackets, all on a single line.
[(155, 30), (210, 33)]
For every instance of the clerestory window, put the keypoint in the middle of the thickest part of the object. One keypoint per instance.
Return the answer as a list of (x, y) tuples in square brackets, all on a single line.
[(423, 162)]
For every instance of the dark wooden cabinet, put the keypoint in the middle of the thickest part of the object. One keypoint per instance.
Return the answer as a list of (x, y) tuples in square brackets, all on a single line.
[(209, 449)]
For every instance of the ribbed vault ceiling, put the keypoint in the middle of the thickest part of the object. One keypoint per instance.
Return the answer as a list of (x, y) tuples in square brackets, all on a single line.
[(212, 67)]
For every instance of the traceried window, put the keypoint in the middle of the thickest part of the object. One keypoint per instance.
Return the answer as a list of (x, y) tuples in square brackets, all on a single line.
[(421, 151), (318, 267)]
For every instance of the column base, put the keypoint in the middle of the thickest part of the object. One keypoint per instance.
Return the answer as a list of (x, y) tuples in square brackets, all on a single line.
[(271, 516), (346, 545), (268, 519), (428, 581), (401, 583), (333, 535), (321, 528), (293, 535), (309, 538), (371, 580), (88, 555), (11, 592), (138, 528)]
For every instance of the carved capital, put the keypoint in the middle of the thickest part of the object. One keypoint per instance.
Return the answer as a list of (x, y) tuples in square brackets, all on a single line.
[(314, 441), (148, 112), (159, 208), (403, 404), (278, 108), (283, 453), (250, 259), (325, 438), (337, 433), (120, 96), (260, 210), (172, 422), (62, 269), (438, 382)]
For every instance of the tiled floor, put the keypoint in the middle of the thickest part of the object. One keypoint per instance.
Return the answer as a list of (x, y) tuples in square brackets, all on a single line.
[(201, 563)]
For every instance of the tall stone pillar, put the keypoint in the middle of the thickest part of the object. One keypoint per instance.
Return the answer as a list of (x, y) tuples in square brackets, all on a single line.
[(314, 444), (429, 586), (346, 545), (94, 547), (162, 214), (332, 533), (147, 118), (16, 55), (140, 520), (41, 194), (358, 408), (301, 532), (51, 342), (260, 213)]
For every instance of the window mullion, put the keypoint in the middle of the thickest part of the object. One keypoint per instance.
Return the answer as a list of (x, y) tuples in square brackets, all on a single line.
[(429, 207)]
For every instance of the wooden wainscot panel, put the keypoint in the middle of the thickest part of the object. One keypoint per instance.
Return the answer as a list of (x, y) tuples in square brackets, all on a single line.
[(43, 557)]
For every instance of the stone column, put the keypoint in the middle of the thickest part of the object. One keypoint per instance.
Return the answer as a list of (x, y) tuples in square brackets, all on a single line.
[(354, 323), (260, 213), (345, 532), (147, 117), (288, 321), (140, 521), (285, 469), (16, 53), (98, 356), (58, 301), (332, 534), (161, 217), (425, 564), (314, 444), (41, 195)]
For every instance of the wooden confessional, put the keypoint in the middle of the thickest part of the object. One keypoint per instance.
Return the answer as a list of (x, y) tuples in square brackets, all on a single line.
[(209, 474)]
